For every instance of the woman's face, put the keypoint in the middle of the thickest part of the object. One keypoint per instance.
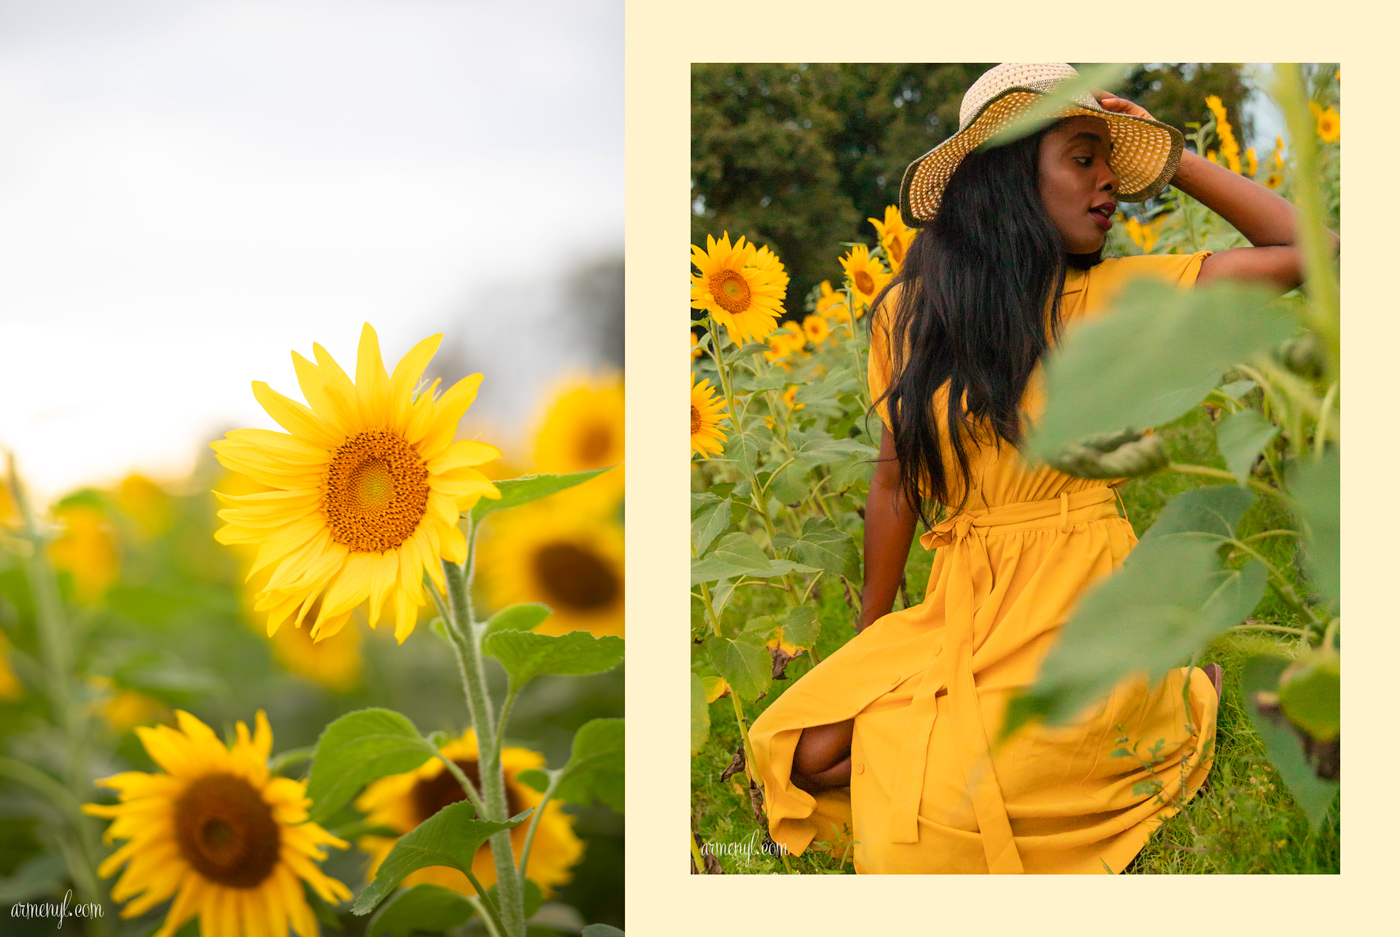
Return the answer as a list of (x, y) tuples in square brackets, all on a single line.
[(1076, 184)]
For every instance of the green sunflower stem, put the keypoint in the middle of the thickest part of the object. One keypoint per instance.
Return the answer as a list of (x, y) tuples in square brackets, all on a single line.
[(56, 651), (462, 626)]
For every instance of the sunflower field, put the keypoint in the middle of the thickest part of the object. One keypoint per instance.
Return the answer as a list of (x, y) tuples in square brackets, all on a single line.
[(361, 676), (1235, 496)]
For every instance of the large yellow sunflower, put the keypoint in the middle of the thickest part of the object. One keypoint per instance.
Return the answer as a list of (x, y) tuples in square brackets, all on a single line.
[(895, 236), (582, 428), (706, 410), (402, 801), (742, 290), (866, 274), (216, 831), (367, 489), (551, 553)]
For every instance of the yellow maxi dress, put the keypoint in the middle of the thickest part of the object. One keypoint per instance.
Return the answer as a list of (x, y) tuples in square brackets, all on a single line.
[(927, 685)]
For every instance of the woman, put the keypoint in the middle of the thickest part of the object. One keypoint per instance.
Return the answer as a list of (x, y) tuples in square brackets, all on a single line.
[(891, 736)]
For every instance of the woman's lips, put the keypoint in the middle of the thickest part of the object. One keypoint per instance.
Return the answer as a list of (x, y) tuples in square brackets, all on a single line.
[(1101, 218)]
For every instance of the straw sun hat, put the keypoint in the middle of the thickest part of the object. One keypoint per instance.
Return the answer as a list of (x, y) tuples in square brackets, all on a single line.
[(1145, 152)]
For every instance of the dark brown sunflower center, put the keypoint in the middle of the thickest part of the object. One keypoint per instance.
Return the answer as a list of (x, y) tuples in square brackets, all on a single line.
[(375, 492), (897, 250), (226, 831), (696, 421), (730, 290), (864, 282), (575, 577), (594, 443), (433, 794)]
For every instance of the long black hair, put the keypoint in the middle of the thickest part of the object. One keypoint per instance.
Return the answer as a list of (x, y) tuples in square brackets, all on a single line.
[(971, 313)]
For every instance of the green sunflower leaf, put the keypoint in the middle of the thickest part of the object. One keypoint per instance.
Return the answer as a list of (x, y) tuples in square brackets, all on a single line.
[(525, 616), (595, 769), (526, 655), (420, 908), (1152, 358), (357, 748), (449, 837), (527, 488), (1240, 438)]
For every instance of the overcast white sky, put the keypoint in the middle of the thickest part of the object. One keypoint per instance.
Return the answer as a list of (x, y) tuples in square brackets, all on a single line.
[(190, 189)]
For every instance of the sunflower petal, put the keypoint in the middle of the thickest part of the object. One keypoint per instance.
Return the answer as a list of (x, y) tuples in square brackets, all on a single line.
[(371, 380)]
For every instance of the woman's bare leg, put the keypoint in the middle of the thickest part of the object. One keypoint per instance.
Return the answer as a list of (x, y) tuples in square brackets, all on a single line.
[(823, 757)]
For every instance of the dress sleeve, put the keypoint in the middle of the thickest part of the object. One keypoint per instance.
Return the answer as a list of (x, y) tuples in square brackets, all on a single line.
[(1110, 276)]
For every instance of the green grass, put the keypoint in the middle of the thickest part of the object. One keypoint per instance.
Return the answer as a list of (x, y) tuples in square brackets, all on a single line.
[(1244, 821)]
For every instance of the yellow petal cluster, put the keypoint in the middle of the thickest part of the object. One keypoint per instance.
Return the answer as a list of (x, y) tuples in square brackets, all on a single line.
[(364, 489), (742, 286), (216, 831)]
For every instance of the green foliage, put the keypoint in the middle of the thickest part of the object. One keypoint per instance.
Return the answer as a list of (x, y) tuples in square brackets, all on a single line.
[(526, 655), (596, 769), (699, 715), (1317, 487), (449, 837), (1242, 436), (524, 616), (429, 908), (527, 488), (357, 748), (1185, 338), (1285, 748)]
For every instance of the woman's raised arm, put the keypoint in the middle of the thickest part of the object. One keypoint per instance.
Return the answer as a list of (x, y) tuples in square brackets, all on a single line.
[(1267, 220), (889, 529)]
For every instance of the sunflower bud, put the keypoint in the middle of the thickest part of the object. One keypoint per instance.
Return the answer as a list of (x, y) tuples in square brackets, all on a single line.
[(1112, 455)]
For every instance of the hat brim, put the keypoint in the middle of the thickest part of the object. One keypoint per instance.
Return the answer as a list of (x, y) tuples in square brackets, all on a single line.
[(1145, 152)]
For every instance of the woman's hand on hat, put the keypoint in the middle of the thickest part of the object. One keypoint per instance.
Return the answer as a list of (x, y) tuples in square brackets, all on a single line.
[(1117, 105)]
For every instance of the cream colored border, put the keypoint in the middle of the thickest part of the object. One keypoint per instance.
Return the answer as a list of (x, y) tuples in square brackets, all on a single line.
[(662, 40)]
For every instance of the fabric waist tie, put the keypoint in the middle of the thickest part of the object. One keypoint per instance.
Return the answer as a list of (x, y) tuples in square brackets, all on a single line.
[(969, 581)]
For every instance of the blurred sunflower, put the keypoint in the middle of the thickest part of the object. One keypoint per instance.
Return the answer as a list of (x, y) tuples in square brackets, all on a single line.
[(124, 708), (146, 503), (367, 488), (743, 292), (402, 801), (815, 329), (216, 831), (866, 275), (706, 410), (1229, 147), (335, 663), (1144, 235), (695, 351), (782, 344), (1329, 125), (895, 236), (790, 398), (86, 550), (549, 552), (582, 427), (832, 304), (1251, 160), (10, 687)]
